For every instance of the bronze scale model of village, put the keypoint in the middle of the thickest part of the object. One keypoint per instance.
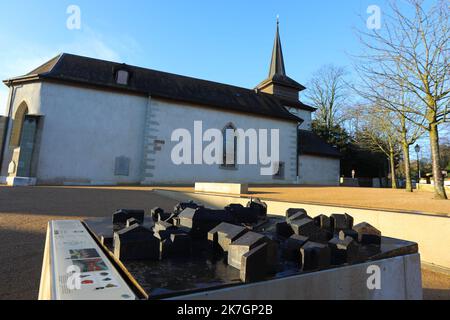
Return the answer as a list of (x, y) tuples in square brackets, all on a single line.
[(197, 248)]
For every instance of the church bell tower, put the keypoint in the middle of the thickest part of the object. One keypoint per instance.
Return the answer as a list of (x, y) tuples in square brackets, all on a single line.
[(278, 83)]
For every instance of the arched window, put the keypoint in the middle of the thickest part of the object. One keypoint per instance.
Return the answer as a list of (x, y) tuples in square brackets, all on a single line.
[(229, 146), (18, 120)]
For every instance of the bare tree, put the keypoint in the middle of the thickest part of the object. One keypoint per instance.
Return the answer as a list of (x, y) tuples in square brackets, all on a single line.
[(411, 54), (396, 105), (328, 93), (376, 132), (408, 134)]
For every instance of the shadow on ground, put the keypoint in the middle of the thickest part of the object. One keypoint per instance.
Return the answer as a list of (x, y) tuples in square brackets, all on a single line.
[(24, 214), (436, 294), (21, 254), (77, 201)]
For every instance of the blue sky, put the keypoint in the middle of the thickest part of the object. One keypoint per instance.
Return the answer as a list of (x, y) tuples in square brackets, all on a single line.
[(225, 41)]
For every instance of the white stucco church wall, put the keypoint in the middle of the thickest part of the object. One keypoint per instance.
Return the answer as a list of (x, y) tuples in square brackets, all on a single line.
[(316, 170), (169, 115), (305, 115), (85, 130)]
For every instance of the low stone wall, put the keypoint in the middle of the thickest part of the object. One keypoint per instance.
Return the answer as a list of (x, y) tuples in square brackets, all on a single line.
[(430, 188), (430, 231)]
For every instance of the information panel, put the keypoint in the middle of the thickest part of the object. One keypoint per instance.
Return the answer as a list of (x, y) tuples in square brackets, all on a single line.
[(80, 269)]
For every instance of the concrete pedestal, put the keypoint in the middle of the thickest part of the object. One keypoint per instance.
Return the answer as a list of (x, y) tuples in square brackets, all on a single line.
[(400, 279), (229, 188), (394, 278), (20, 181)]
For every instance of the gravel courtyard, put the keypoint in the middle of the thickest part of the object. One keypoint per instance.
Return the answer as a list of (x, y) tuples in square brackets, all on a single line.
[(397, 200), (24, 213)]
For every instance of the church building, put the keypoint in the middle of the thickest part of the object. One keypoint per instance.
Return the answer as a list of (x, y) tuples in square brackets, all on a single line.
[(83, 121)]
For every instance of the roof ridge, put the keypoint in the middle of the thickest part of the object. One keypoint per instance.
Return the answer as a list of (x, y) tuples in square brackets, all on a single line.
[(97, 72), (164, 72), (48, 62), (254, 90)]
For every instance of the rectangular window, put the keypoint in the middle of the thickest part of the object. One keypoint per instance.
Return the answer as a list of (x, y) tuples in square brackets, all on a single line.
[(122, 166), (122, 77)]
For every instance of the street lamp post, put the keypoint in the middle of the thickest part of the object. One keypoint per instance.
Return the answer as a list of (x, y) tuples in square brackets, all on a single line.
[(417, 149)]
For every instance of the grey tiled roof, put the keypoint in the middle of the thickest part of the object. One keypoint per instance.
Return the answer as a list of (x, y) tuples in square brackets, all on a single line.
[(100, 73), (310, 143)]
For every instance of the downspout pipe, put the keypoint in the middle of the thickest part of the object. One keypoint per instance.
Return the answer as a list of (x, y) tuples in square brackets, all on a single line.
[(297, 155)]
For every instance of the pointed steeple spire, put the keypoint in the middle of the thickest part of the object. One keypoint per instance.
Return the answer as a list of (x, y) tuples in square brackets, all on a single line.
[(278, 83), (277, 63)]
